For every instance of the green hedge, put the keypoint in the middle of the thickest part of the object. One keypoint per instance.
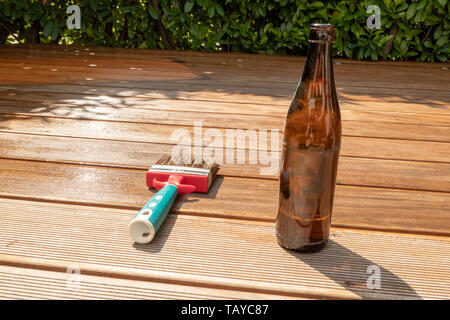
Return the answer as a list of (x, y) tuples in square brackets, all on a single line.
[(410, 30)]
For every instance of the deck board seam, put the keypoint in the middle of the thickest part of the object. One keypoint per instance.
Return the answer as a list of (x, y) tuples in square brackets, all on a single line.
[(228, 217), (274, 103), (238, 176), (31, 115), (11, 261)]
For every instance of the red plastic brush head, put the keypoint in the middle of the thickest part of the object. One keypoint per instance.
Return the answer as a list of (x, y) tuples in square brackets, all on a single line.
[(188, 176)]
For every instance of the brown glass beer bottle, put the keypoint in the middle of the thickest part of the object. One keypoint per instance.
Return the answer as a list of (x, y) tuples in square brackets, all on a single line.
[(311, 145)]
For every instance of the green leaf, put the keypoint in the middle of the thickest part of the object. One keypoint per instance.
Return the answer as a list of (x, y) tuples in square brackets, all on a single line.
[(411, 11), (437, 33), (404, 45), (348, 52), (188, 6), (153, 12), (203, 3), (442, 57), (442, 40), (360, 53), (432, 20), (428, 44), (383, 40), (48, 28), (219, 10), (411, 53), (317, 4), (421, 5), (55, 32), (131, 33), (420, 16), (93, 5), (401, 25), (442, 2), (374, 55), (402, 7), (90, 32), (211, 11)]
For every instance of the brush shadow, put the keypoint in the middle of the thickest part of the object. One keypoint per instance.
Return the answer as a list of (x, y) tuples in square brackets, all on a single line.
[(158, 242), (354, 272), (194, 197)]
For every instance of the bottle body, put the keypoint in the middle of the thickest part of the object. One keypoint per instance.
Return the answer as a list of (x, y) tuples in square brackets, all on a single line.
[(311, 145)]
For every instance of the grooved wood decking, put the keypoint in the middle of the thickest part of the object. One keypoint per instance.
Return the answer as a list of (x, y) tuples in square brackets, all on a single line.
[(80, 126)]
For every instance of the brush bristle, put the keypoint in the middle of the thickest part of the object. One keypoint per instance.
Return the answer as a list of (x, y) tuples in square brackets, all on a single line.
[(167, 160)]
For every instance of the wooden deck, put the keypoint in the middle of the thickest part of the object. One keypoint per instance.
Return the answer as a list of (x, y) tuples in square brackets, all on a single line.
[(79, 127)]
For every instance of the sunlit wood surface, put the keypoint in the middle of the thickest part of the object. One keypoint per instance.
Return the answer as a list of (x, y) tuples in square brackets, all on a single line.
[(79, 127)]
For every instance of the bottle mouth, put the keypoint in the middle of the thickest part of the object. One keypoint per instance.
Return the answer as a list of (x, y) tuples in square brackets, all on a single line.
[(322, 26), (321, 33)]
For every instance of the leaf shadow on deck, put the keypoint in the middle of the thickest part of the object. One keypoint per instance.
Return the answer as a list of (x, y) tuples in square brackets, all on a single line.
[(356, 273), (76, 97)]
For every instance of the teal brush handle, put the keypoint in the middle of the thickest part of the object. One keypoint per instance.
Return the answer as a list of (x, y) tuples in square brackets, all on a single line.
[(150, 218)]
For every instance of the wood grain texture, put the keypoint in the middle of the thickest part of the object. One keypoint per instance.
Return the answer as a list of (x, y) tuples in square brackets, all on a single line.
[(59, 117), (233, 74), (352, 98), (31, 284), (21, 99), (31, 50), (79, 127), (141, 155), (158, 132), (223, 253), (176, 112), (385, 74), (355, 207), (353, 168), (360, 97), (375, 172)]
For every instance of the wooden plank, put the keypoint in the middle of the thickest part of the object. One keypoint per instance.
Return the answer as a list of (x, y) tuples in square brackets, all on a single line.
[(61, 124), (32, 284), (217, 93), (394, 174), (141, 155), (377, 172), (184, 113), (372, 75), (396, 131), (64, 70), (32, 50), (191, 57), (222, 253), (173, 86), (161, 91), (55, 51), (147, 116), (162, 133), (352, 171), (355, 207), (28, 100)]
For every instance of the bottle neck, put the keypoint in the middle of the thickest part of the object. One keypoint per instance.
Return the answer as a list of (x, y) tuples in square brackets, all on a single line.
[(319, 66), (316, 88)]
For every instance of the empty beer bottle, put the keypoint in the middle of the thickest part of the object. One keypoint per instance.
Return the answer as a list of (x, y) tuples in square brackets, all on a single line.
[(311, 144)]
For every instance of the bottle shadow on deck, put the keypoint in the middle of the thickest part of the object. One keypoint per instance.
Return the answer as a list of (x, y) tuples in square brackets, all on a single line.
[(357, 274)]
